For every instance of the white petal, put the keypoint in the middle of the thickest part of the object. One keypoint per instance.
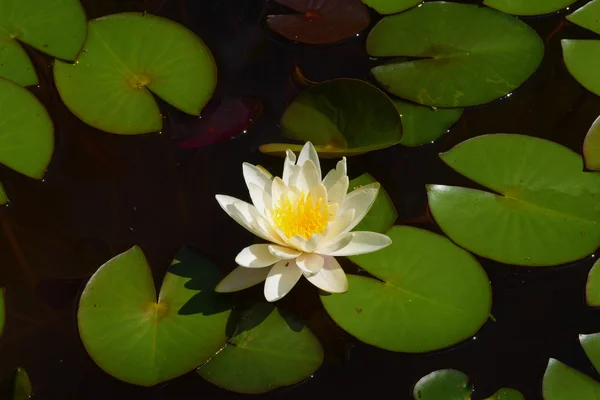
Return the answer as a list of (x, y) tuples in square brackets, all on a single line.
[(337, 193), (331, 278), (338, 243), (308, 177), (232, 207), (335, 174), (310, 263), (284, 253), (361, 201), (242, 278), (290, 169), (254, 175), (309, 153), (260, 198), (319, 192), (256, 256), (278, 189), (281, 279), (339, 225), (262, 225), (363, 242), (306, 245)]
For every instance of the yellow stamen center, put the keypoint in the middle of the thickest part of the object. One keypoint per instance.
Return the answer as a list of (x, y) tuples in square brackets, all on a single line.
[(305, 218)]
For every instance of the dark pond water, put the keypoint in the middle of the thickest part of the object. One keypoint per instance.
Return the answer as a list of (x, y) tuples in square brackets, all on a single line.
[(104, 193)]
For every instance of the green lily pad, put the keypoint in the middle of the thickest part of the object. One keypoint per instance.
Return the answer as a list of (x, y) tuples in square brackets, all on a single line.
[(26, 131), (340, 117), (57, 28), (445, 384), (140, 340), (582, 58), (382, 214), (269, 349), (530, 7), (587, 16), (3, 196), (391, 6), (125, 58), (546, 210), (507, 394), (429, 294), (592, 288), (423, 124), (16, 386), (562, 382), (591, 147), (466, 54)]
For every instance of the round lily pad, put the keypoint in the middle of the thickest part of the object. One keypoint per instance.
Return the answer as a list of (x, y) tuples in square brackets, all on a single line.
[(320, 22), (382, 214), (57, 28), (445, 384), (591, 147), (582, 58), (529, 7), (592, 287), (430, 294), (461, 54), (141, 340), (16, 386), (507, 394), (26, 131), (587, 16), (545, 208), (125, 59), (423, 124), (340, 117), (562, 382), (268, 350), (391, 6)]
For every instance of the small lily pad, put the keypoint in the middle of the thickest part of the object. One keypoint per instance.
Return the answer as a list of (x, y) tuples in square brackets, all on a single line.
[(507, 394), (26, 131), (125, 58), (391, 6), (320, 21), (268, 350), (562, 382), (445, 384), (582, 58), (141, 340), (423, 124), (592, 287), (429, 294), (57, 28), (340, 117), (587, 16), (591, 147), (546, 210), (382, 214), (461, 54), (16, 386), (529, 7)]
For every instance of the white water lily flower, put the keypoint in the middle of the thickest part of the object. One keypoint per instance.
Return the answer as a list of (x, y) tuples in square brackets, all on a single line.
[(308, 222)]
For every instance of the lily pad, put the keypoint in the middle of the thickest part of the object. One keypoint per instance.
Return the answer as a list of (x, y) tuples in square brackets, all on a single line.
[(16, 386), (140, 340), (546, 210), (57, 28), (423, 124), (340, 117), (268, 350), (461, 54), (592, 287), (320, 21), (530, 7), (391, 6), (3, 196), (445, 384), (582, 58), (26, 131), (587, 16), (125, 58), (507, 394), (591, 147), (562, 382), (429, 294), (382, 214)]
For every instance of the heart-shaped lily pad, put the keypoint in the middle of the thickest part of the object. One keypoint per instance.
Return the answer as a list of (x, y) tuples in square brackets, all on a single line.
[(269, 349), (320, 21), (429, 294), (391, 6), (140, 340), (340, 117), (591, 147), (587, 16), (382, 214), (125, 58), (529, 7), (592, 288), (57, 27), (582, 58), (461, 54), (545, 212), (423, 124), (16, 386), (26, 133)]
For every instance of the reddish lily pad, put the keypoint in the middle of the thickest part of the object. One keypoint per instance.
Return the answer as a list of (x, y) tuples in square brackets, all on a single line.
[(320, 21)]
